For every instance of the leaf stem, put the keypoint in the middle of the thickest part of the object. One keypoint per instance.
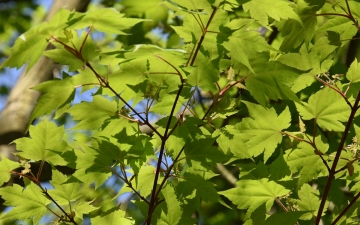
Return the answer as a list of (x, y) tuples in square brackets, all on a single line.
[(83, 43), (177, 71), (335, 89), (337, 157), (332, 14)]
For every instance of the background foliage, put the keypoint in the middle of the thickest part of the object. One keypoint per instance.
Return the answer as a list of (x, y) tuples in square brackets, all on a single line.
[(188, 112)]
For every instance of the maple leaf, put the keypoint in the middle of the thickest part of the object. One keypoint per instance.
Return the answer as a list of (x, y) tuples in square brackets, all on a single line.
[(250, 194), (265, 128), (26, 203), (46, 143), (327, 107)]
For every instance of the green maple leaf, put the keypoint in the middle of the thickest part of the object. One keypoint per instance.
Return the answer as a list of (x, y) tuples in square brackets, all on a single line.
[(304, 60), (257, 217), (193, 4), (184, 133), (314, 60), (279, 169), (91, 166), (82, 207), (6, 167), (56, 93), (296, 33), (92, 114), (27, 203), (145, 66), (265, 128), (341, 25), (251, 194), (164, 106), (309, 200), (113, 216), (353, 74), (290, 217), (276, 171), (262, 86), (201, 150), (327, 107), (87, 77), (232, 140), (304, 160), (46, 143), (145, 179), (260, 10), (244, 44), (153, 10), (254, 172), (28, 48), (204, 74), (63, 193), (272, 79), (64, 57), (174, 211), (132, 72), (107, 20), (192, 181)]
